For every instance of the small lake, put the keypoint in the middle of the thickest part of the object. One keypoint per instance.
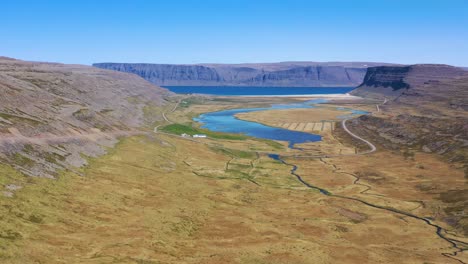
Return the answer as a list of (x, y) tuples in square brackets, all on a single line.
[(260, 91), (225, 121)]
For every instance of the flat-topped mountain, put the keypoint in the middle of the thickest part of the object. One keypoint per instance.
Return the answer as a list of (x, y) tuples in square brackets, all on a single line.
[(436, 84), (313, 74)]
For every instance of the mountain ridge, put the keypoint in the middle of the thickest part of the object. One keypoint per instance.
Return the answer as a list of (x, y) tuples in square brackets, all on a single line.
[(307, 74), (65, 111)]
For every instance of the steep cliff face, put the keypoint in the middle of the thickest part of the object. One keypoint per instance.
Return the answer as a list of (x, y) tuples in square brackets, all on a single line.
[(311, 76), (165, 74), (423, 79), (387, 77), (270, 74)]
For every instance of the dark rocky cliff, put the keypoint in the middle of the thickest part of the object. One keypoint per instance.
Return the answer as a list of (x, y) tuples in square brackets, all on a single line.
[(423, 79), (272, 74), (392, 77), (311, 76), (167, 74)]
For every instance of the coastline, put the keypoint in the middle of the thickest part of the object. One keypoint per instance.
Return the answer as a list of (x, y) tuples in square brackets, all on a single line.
[(347, 96), (331, 96)]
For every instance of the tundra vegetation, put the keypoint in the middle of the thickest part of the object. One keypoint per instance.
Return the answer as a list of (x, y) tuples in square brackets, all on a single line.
[(161, 198)]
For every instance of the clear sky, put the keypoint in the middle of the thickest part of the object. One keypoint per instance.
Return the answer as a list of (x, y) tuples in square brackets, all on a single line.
[(230, 31)]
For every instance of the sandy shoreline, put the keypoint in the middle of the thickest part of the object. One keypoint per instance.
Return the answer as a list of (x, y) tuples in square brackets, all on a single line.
[(334, 96)]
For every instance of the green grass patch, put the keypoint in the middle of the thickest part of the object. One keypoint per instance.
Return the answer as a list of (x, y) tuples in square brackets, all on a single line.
[(179, 129)]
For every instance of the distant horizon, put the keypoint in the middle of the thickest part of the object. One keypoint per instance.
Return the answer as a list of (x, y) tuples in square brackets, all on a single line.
[(235, 32), (238, 63), (278, 62)]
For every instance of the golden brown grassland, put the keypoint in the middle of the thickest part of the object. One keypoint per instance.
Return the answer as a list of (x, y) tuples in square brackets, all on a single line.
[(163, 199)]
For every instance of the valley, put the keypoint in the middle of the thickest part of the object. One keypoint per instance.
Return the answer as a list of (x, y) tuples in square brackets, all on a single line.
[(337, 179), (234, 132), (163, 198)]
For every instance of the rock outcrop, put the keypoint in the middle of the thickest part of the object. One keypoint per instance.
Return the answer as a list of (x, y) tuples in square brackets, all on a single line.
[(426, 79), (308, 74)]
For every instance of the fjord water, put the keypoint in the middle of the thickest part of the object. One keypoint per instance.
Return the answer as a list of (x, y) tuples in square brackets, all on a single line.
[(260, 91), (225, 121)]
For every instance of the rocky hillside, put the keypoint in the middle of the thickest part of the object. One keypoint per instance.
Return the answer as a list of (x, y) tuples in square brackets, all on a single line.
[(426, 107), (426, 111), (52, 114), (311, 74)]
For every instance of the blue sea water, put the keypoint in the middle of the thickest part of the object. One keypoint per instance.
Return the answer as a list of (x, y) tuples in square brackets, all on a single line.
[(248, 90)]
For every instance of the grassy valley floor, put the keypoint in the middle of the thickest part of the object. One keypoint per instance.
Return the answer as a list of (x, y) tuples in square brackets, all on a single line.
[(159, 198)]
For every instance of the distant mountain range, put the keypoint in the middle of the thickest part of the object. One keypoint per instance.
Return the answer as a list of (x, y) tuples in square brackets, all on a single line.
[(307, 74)]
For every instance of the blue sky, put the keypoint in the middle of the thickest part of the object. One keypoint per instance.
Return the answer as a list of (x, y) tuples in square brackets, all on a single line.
[(229, 31)]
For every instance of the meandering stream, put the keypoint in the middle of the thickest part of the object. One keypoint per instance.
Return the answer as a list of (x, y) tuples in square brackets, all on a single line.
[(459, 246), (225, 121)]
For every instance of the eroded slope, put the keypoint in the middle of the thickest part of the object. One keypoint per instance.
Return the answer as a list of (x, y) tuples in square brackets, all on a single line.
[(50, 113)]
